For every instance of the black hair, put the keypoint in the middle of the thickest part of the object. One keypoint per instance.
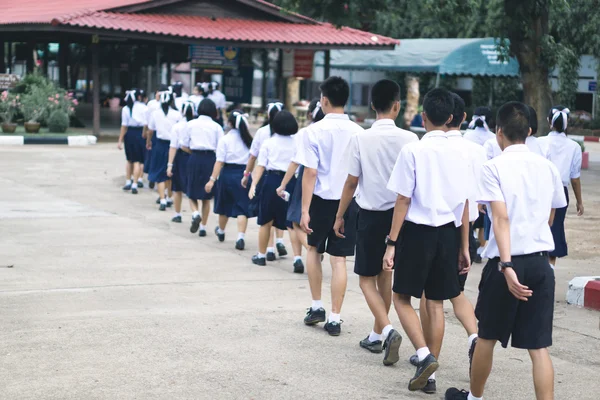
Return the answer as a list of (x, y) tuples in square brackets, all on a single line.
[(384, 94), (438, 105), (177, 88), (242, 128), (513, 118), (284, 124), (533, 123), (311, 110), (170, 102), (484, 112), (336, 89), (187, 110), (558, 125), (459, 111), (207, 107), (271, 114), (200, 88), (129, 100), (163, 88), (210, 88)]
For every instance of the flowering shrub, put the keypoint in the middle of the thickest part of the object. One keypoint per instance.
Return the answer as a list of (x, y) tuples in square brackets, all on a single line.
[(35, 104), (9, 105), (41, 97)]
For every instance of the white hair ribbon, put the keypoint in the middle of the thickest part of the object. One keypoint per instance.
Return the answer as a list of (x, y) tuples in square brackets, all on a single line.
[(277, 105), (165, 97), (565, 116), (205, 86), (239, 117), (214, 85), (130, 94), (478, 118), (316, 110), (186, 106)]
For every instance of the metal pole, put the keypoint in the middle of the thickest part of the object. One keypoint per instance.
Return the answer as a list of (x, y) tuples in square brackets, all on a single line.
[(2, 63), (351, 92), (96, 89), (10, 57), (327, 67)]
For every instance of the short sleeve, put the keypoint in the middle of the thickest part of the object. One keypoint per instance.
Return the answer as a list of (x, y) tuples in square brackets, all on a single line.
[(559, 200), (403, 178), (125, 116), (263, 155), (175, 136), (489, 185), (222, 150), (256, 142), (308, 151), (354, 167), (489, 150), (185, 136), (576, 164), (152, 122)]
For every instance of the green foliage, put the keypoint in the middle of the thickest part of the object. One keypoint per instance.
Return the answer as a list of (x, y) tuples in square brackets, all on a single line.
[(9, 106), (58, 122), (501, 91), (34, 104), (40, 97)]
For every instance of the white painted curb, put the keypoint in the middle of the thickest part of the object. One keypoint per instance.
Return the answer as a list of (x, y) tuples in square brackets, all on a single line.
[(82, 140), (575, 294), (12, 140)]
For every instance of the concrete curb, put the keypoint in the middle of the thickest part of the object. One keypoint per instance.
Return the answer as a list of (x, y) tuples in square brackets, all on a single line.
[(83, 140), (584, 291), (585, 138)]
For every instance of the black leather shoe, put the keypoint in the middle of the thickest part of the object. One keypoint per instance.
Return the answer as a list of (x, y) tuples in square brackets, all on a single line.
[(158, 201), (414, 360), (455, 394), (202, 233), (127, 187), (271, 256), (195, 224), (333, 328), (313, 317), (392, 346), (151, 185), (134, 191), (256, 260), (169, 203), (298, 267), (431, 387), (176, 219), (373, 347), (162, 207), (425, 369), (281, 250), (140, 184), (221, 236), (240, 244)]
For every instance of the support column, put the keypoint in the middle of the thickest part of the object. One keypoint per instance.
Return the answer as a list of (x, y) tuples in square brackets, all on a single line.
[(30, 61), (9, 57), (327, 67), (63, 60), (158, 68), (279, 79), (45, 60), (88, 76), (265, 71), (96, 89), (168, 58), (2, 53)]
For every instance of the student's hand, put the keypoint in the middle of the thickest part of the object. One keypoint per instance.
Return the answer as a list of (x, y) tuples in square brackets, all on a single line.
[(338, 228), (481, 208), (149, 145), (521, 292), (170, 172), (144, 134), (579, 209), (245, 182), (464, 262), (388, 258), (120, 145), (209, 186), (280, 191), (305, 222), (252, 191)]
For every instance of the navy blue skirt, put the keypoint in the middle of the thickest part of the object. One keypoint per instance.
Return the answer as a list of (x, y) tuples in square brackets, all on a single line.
[(135, 144), (148, 155), (253, 205), (271, 207), (558, 230), (180, 174), (199, 169), (294, 213), (231, 199), (158, 161)]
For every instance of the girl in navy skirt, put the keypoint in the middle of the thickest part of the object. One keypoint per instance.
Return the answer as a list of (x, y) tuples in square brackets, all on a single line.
[(201, 138), (133, 119), (178, 159), (273, 159), (152, 105), (294, 214), (565, 154), (231, 199), (161, 123)]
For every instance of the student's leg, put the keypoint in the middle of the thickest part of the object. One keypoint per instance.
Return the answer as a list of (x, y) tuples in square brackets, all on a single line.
[(271, 243), (205, 211), (315, 272), (376, 302), (128, 170), (177, 197), (425, 323), (301, 235), (279, 233), (223, 221), (409, 320), (137, 172), (161, 190), (435, 334), (552, 260), (339, 280), (543, 374), (194, 205), (296, 243), (263, 237), (169, 186), (482, 365), (463, 309), (242, 223), (481, 237)]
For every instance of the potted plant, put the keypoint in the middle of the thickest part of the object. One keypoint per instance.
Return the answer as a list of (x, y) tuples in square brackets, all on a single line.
[(35, 104), (9, 105), (61, 106)]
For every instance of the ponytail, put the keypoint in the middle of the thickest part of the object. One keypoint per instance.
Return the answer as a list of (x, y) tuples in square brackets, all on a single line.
[(130, 98), (272, 110), (187, 110), (239, 121), (315, 111), (559, 118), (481, 118), (166, 98)]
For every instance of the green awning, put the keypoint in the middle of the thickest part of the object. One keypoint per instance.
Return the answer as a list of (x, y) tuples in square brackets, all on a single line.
[(467, 57)]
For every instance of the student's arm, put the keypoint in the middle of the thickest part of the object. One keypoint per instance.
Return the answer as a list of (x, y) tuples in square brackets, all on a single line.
[(214, 176), (309, 178), (552, 214), (172, 151), (121, 137), (464, 260), (248, 171), (400, 211), (347, 195), (577, 189), (258, 173), (575, 174), (291, 171), (149, 134), (308, 155)]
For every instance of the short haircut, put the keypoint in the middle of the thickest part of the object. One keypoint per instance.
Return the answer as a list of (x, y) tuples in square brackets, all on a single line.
[(336, 89), (459, 111), (533, 123), (384, 94), (513, 118), (284, 124), (439, 106), (207, 107)]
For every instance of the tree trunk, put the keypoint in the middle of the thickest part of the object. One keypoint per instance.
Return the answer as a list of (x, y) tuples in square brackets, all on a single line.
[(412, 99), (538, 94)]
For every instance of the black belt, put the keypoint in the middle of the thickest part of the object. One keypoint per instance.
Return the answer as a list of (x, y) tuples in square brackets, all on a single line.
[(203, 151), (235, 165), (536, 254), (275, 172), (163, 140)]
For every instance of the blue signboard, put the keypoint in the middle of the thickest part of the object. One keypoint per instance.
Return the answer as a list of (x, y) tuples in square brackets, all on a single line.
[(592, 86), (222, 57), (237, 84)]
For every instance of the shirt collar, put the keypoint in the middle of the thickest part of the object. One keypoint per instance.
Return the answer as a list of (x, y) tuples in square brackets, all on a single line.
[(554, 133), (454, 133), (516, 148), (205, 117), (383, 122), (337, 116), (433, 134)]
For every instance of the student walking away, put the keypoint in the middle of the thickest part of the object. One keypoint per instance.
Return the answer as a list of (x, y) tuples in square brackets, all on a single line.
[(323, 154), (133, 119), (432, 180), (516, 293), (262, 134), (152, 105), (372, 155), (219, 99), (178, 159), (180, 96), (566, 155), (161, 123), (295, 170), (275, 155), (201, 137), (231, 199), (197, 95)]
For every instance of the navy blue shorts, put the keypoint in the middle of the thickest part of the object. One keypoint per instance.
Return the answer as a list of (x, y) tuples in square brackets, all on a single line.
[(180, 171), (199, 168), (159, 161), (135, 145), (231, 199), (558, 230), (322, 219), (373, 227), (294, 213), (271, 207), (148, 155)]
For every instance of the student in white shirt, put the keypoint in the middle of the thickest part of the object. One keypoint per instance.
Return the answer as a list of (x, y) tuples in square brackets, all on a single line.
[(372, 155), (201, 137), (219, 99), (323, 154), (479, 131), (431, 179), (274, 157), (516, 293), (178, 159), (231, 199), (160, 124), (180, 96), (197, 95), (261, 135), (152, 105), (566, 155), (133, 119)]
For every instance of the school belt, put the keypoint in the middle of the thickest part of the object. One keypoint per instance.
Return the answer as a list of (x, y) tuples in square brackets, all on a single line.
[(275, 172), (203, 151), (163, 140), (234, 166), (531, 255)]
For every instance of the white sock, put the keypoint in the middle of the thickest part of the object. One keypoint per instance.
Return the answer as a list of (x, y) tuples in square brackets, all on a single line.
[(163, 201), (279, 240), (134, 186), (480, 250), (333, 317), (270, 249), (220, 231), (195, 214), (169, 200), (386, 330), (140, 180), (471, 397), (373, 337), (202, 227), (128, 182), (432, 376), (241, 235), (316, 304), (261, 255), (296, 258), (471, 338), (166, 192), (178, 214), (422, 353)]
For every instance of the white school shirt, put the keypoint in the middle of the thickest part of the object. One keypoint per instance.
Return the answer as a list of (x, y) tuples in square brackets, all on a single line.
[(276, 152), (299, 143), (231, 149), (373, 154), (435, 174), (150, 107), (479, 135), (565, 153), (162, 124), (531, 187), (492, 148), (179, 101), (219, 99), (196, 99), (478, 158), (324, 148), (202, 133), (135, 117), (177, 133), (262, 134)]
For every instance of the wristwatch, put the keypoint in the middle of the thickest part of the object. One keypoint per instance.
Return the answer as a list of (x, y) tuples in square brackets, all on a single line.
[(389, 241), (503, 265)]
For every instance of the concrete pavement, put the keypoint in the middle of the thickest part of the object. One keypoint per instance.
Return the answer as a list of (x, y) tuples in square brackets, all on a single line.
[(107, 299)]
